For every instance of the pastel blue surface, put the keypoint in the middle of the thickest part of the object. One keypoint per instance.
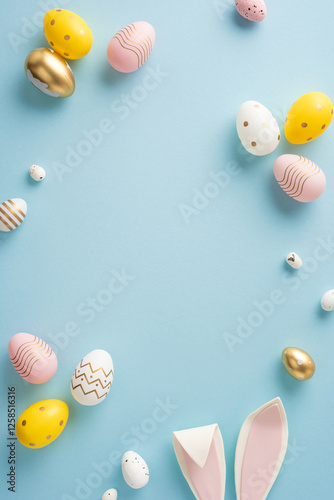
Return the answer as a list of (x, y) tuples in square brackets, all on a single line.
[(193, 270)]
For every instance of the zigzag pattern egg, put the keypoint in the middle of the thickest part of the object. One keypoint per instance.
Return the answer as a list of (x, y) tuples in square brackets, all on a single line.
[(12, 214), (32, 358), (92, 378), (299, 177), (131, 46)]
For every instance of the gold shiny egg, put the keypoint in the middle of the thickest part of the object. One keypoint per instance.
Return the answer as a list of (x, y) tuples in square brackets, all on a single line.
[(49, 72), (298, 363), (41, 423)]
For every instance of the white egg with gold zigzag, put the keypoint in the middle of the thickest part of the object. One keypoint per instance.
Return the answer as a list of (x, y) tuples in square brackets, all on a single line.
[(92, 378), (12, 214)]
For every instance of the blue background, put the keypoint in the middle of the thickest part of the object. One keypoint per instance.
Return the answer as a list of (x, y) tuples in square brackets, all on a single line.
[(192, 278)]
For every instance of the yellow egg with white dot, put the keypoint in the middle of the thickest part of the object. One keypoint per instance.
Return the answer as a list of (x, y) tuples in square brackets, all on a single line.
[(41, 423), (309, 117), (298, 363), (67, 33)]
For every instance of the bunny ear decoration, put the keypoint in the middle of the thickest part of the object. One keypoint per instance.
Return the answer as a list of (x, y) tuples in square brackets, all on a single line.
[(260, 451), (200, 453)]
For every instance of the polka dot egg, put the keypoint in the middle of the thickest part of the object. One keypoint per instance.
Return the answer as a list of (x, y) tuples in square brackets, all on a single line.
[(298, 363), (67, 33), (257, 128), (308, 117), (41, 423)]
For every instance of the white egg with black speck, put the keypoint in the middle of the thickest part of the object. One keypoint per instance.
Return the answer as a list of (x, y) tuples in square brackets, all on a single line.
[(294, 260), (135, 470), (110, 494), (327, 301), (37, 173), (257, 128)]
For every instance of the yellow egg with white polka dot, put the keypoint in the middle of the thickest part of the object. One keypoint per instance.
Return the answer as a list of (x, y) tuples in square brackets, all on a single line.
[(41, 423), (308, 118), (67, 33)]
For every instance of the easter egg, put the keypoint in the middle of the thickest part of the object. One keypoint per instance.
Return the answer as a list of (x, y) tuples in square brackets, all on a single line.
[(131, 46), (308, 118), (37, 173), (294, 260), (67, 33), (32, 358), (12, 214), (253, 10), (41, 423), (49, 72), (299, 177), (135, 470), (257, 128), (298, 363), (327, 301), (92, 378), (110, 494)]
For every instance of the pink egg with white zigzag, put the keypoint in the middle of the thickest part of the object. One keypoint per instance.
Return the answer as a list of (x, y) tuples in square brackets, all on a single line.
[(131, 46), (92, 378), (299, 177), (32, 358)]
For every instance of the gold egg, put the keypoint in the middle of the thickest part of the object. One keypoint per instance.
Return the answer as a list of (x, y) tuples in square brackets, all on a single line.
[(298, 363), (49, 72)]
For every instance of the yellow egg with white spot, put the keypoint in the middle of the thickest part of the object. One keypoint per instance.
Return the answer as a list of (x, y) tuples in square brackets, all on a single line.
[(298, 363), (67, 33), (41, 423), (309, 117)]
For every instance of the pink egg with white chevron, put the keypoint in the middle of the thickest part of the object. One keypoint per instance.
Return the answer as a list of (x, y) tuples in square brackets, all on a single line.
[(299, 177), (131, 46), (32, 358), (92, 378)]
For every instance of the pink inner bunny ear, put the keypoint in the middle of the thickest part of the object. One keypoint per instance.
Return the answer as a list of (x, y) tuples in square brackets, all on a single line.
[(260, 452), (200, 453)]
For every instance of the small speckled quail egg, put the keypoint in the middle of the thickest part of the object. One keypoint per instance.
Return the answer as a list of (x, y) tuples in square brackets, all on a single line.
[(135, 470), (110, 494), (327, 301), (294, 260), (37, 173)]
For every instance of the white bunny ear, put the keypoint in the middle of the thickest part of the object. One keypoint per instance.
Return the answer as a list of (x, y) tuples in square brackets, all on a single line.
[(260, 451), (200, 453)]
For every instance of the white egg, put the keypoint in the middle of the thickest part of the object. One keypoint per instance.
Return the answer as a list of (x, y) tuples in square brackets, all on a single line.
[(12, 214), (37, 172), (257, 128), (135, 470), (294, 260), (110, 494), (92, 378), (327, 301)]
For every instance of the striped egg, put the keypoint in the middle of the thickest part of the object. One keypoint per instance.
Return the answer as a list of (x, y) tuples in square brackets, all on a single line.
[(32, 358), (299, 177), (92, 378), (131, 46), (12, 214)]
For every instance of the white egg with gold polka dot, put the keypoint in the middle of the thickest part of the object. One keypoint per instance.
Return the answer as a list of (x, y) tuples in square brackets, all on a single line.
[(257, 128), (12, 214)]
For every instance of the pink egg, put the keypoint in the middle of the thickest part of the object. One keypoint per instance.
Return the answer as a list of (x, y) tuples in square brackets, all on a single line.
[(32, 358), (131, 46), (253, 10), (299, 177)]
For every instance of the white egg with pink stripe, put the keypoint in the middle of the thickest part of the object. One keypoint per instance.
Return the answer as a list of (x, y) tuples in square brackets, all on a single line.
[(12, 214)]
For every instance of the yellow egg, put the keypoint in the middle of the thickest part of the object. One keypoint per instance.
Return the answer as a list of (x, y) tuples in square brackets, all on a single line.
[(49, 72), (308, 118), (67, 33), (298, 363), (41, 423)]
